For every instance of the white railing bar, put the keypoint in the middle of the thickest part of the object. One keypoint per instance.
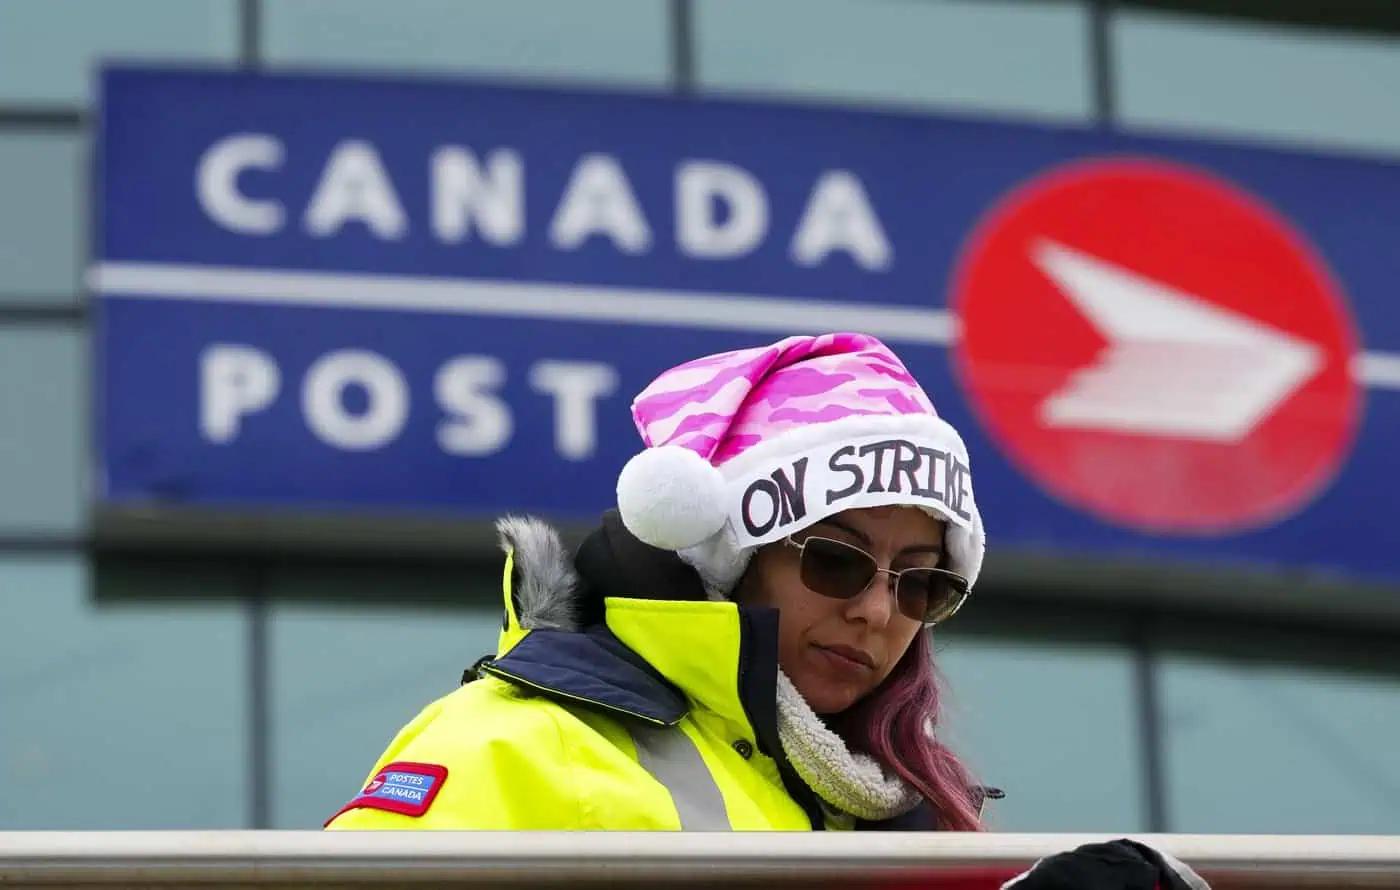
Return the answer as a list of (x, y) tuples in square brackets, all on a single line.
[(272, 857)]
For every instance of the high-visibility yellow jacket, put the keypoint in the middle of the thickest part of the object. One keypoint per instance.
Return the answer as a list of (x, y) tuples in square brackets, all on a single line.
[(658, 714)]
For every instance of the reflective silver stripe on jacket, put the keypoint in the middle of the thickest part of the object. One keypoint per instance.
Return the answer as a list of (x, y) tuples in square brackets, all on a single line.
[(673, 760)]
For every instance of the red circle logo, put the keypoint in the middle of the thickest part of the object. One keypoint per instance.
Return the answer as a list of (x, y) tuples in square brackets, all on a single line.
[(1156, 346)]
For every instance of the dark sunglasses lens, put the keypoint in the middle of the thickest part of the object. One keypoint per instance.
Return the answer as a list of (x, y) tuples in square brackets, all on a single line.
[(930, 595), (834, 569)]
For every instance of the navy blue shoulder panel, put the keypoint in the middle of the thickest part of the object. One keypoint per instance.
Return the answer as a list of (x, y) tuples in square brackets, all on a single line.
[(594, 668)]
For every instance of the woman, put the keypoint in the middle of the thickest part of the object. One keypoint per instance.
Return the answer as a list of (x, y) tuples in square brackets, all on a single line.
[(743, 644)]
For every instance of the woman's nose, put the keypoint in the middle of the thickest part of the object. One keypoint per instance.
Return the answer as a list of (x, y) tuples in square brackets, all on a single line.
[(875, 605)]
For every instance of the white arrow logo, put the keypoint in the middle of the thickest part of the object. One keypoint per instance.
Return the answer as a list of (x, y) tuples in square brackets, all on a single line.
[(1175, 365)]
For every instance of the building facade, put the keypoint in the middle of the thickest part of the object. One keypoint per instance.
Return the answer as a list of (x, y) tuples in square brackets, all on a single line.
[(151, 680)]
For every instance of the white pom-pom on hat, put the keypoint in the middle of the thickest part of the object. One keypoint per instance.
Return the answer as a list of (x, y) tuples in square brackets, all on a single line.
[(670, 497)]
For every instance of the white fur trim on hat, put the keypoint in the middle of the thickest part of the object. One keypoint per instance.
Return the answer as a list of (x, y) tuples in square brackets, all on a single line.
[(670, 497)]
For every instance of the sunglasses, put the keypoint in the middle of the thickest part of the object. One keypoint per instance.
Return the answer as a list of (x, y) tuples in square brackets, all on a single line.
[(843, 571)]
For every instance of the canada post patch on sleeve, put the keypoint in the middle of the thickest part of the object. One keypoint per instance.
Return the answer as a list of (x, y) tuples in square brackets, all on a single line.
[(407, 788)]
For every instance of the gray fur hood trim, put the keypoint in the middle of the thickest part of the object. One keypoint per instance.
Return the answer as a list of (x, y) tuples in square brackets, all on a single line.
[(544, 583)]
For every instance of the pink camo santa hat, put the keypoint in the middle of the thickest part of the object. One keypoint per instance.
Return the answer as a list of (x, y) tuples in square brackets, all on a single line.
[(747, 447)]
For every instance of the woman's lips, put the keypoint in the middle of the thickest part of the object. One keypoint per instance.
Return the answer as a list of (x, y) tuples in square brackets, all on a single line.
[(846, 657)]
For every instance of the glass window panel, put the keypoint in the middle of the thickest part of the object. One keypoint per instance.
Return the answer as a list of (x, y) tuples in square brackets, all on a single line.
[(603, 40), (986, 55), (350, 666), (120, 714), (1054, 725), (43, 203), (49, 49), (43, 430), (1262, 747), (1271, 82)]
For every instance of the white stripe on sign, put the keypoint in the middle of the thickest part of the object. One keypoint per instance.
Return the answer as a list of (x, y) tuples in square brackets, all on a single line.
[(519, 299), (1377, 369), (564, 302)]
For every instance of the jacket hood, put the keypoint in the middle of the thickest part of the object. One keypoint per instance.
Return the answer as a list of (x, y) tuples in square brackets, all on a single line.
[(554, 639), (627, 627), (553, 592)]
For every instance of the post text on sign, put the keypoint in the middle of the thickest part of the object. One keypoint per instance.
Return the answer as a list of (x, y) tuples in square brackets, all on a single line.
[(238, 381), (720, 210)]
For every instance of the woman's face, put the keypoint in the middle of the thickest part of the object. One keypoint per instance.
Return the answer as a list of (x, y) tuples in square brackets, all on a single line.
[(836, 651)]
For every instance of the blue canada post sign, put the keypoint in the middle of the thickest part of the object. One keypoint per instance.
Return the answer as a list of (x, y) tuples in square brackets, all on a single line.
[(406, 296)]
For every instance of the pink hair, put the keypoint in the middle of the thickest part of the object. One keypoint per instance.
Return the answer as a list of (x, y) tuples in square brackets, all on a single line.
[(896, 725)]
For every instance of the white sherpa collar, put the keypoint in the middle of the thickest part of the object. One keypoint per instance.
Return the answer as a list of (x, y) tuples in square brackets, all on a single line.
[(851, 783)]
